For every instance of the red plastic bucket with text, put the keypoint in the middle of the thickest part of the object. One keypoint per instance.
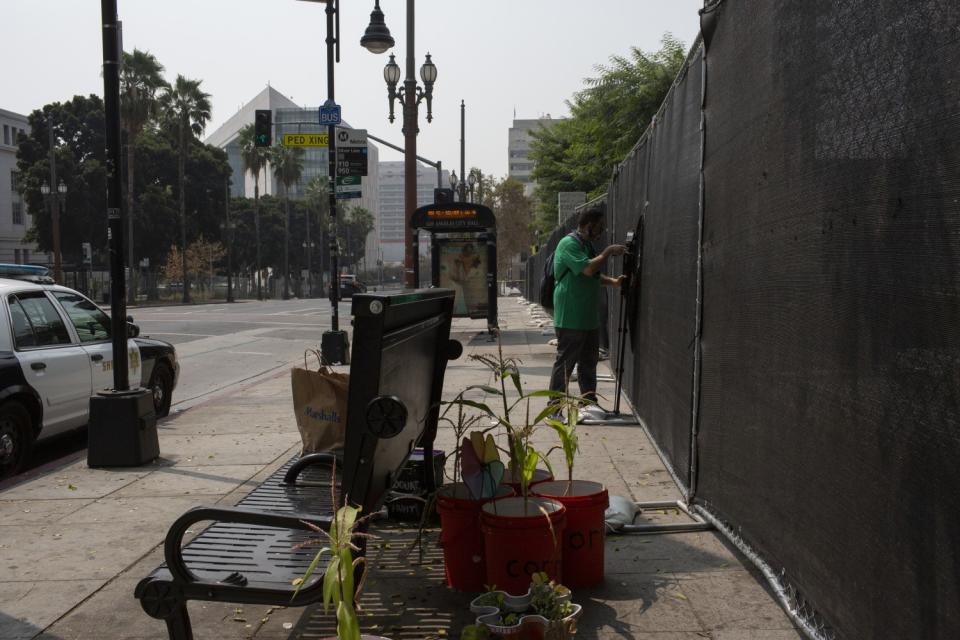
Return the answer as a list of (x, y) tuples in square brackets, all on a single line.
[(460, 536), (584, 535), (519, 542), (539, 475)]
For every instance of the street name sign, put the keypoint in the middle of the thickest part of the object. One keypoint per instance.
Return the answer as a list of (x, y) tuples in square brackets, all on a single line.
[(349, 187), (305, 140)]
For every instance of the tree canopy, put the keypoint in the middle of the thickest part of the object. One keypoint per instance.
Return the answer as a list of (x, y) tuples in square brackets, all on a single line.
[(607, 118)]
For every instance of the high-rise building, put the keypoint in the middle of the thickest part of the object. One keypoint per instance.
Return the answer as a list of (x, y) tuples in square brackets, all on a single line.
[(288, 117), (391, 228), (518, 149), (15, 220)]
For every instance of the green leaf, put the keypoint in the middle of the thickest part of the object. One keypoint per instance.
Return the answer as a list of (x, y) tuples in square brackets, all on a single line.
[(346, 579), (484, 388), (310, 570), (348, 626), (331, 583), (546, 393), (477, 405), (514, 374)]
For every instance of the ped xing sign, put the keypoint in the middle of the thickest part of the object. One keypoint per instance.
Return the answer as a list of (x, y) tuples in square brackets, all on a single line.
[(305, 140)]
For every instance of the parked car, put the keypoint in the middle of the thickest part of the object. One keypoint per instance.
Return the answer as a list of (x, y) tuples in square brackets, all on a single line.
[(55, 353), (349, 285)]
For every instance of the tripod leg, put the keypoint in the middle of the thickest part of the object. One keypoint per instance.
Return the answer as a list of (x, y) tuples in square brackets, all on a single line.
[(621, 344)]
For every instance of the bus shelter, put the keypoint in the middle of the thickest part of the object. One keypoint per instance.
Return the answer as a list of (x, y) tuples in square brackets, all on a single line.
[(463, 255)]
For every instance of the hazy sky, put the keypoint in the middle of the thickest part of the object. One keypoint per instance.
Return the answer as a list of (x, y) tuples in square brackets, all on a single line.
[(501, 57)]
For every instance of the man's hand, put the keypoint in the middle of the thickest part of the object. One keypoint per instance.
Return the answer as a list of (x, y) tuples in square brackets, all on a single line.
[(615, 250)]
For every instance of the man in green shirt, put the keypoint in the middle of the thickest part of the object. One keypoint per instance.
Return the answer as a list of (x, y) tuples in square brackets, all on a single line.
[(576, 302)]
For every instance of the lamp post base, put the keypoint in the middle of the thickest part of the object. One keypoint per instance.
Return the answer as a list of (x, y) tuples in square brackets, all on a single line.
[(122, 430)]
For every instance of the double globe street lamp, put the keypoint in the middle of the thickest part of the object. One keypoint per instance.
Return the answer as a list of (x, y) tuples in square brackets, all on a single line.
[(55, 200), (377, 39)]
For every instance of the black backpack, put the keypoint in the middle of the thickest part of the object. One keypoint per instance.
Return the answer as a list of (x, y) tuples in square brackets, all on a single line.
[(548, 283)]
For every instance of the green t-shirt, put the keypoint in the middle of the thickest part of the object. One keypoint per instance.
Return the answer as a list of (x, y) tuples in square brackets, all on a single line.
[(576, 297)]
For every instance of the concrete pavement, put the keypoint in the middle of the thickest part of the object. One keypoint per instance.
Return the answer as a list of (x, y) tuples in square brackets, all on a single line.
[(74, 541)]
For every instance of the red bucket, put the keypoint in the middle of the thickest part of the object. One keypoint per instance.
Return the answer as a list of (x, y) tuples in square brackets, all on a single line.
[(460, 536), (519, 541), (584, 535), (539, 475)]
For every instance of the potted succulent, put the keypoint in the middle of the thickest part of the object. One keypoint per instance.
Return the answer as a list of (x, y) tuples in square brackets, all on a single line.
[(545, 611)]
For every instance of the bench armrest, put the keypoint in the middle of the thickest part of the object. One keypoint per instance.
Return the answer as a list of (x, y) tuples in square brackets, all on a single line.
[(290, 477), (173, 545)]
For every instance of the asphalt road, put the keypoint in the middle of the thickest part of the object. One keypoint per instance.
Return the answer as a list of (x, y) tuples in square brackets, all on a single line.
[(225, 344), (218, 346)]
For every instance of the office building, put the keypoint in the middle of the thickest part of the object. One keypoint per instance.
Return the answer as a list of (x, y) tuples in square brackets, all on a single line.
[(518, 149), (391, 227), (288, 117), (15, 220)]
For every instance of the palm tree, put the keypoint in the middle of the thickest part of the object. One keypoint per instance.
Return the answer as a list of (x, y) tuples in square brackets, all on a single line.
[(140, 80), (254, 160), (287, 167), (187, 108)]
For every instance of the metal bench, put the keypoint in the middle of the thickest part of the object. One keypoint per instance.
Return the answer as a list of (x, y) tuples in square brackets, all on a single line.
[(401, 344)]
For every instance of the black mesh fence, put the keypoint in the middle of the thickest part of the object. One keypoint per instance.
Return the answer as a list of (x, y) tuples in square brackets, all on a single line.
[(829, 427), (793, 338)]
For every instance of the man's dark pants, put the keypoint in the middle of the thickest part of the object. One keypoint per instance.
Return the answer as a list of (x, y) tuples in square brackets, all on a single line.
[(576, 347)]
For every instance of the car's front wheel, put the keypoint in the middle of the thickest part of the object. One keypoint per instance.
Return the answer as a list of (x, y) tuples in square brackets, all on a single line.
[(161, 386), (16, 438)]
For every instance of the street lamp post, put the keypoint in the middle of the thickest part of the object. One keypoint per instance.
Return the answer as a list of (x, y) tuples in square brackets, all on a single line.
[(308, 247), (454, 181), (471, 182), (377, 39), (228, 234), (55, 200), (55, 211)]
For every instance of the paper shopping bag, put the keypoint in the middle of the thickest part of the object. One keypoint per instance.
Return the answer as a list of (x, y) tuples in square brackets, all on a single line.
[(320, 404)]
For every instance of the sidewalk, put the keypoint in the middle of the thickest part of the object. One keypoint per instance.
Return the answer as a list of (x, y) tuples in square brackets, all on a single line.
[(75, 541)]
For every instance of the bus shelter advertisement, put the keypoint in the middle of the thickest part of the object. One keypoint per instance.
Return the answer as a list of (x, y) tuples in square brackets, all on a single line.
[(463, 268)]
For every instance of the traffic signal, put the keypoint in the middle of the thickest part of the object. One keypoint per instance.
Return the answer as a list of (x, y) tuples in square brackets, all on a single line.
[(442, 195), (263, 128)]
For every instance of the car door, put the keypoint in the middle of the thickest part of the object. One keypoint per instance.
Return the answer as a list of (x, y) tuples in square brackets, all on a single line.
[(52, 362), (93, 329)]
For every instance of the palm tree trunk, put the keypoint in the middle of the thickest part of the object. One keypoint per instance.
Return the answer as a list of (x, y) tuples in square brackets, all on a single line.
[(256, 227), (286, 243), (131, 286), (183, 218)]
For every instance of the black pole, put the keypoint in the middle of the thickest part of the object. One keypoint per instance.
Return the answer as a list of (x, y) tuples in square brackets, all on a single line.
[(123, 428), (256, 227), (229, 234), (332, 184), (334, 345), (111, 101), (463, 168)]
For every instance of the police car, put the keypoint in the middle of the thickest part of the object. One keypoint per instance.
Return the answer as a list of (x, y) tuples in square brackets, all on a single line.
[(55, 352)]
